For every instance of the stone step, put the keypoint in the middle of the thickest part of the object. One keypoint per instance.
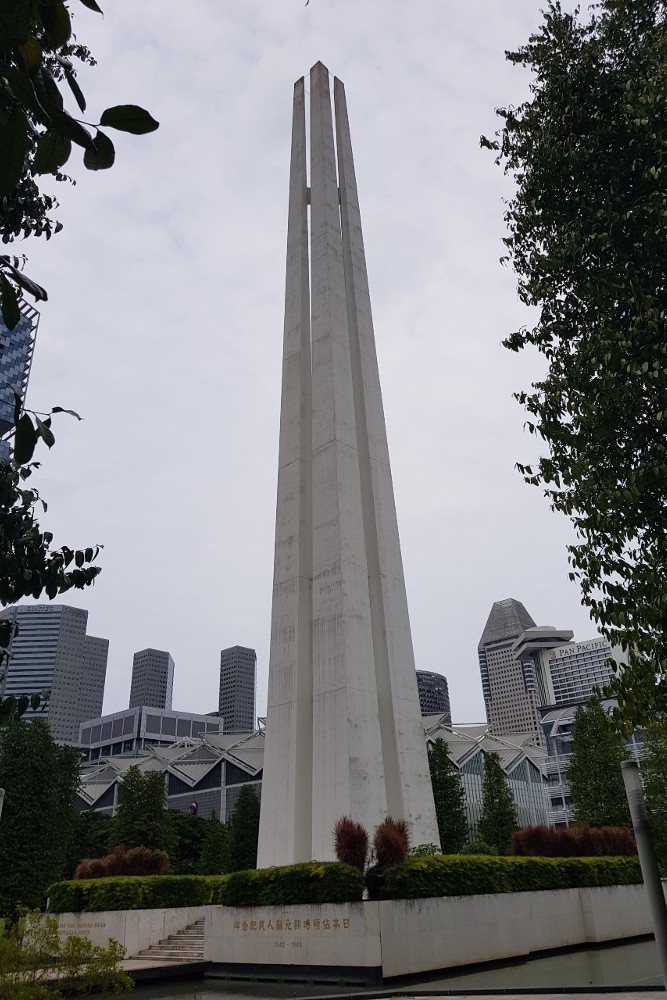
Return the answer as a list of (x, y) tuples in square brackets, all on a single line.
[(186, 945)]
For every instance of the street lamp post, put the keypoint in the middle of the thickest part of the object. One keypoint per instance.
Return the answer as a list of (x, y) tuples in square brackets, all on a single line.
[(647, 859)]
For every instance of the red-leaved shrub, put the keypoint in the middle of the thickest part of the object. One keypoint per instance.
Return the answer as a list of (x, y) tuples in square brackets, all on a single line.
[(570, 842), (135, 861), (391, 841), (350, 843)]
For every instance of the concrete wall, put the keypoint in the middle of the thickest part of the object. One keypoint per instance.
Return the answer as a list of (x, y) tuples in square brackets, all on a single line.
[(134, 929), (400, 937), (364, 941)]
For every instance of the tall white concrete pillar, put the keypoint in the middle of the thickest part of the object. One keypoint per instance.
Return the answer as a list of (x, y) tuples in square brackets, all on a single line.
[(344, 732)]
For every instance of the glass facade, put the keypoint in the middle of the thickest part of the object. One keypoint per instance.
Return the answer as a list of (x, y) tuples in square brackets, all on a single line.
[(16, 348)]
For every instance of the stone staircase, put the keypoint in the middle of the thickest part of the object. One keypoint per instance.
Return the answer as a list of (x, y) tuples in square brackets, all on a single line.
[(185, 946)]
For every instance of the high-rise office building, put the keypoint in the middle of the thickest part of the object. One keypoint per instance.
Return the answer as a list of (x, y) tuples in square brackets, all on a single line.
[(238, 682), (509, 685), (434, 695), (152, 679), (16, 347), (50, 651), (567, 671)]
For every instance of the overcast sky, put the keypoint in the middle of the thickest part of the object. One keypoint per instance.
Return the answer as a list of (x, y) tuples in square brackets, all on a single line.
[(164, 326)]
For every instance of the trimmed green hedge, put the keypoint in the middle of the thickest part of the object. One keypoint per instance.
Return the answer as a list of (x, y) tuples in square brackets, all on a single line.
[(308, 883), (469, 875), (417, 877)]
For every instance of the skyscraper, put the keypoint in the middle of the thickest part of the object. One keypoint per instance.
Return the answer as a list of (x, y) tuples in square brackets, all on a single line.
[(509, 686), (238, 682), (152, 679), (344, 733), (16, 348), (567, 671), (433, 694), (52, 652)]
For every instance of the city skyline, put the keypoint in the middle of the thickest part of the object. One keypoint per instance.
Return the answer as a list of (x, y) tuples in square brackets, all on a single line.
[(179, 323)]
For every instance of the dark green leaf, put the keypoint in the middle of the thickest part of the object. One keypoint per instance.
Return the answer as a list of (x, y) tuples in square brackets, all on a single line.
[(71, 128), (56, 20), (22, 704), (31, 54), (60, 409), (129, 118), (35, 290), (14, 145), (53, 150), (35, 701), (22, 88), (24, 440), (75, 88), (11, 313), (47, 91), (102, 157), (79, 558), (45, 433), (91, 5)]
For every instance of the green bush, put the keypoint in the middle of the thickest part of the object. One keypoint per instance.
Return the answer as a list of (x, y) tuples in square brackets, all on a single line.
[(293, 884), (467, 875), (129, 892)]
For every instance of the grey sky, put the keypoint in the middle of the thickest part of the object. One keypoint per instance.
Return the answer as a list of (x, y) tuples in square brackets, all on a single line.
[(164, 325)]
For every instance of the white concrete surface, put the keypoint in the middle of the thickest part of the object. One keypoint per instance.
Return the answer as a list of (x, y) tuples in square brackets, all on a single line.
[(134, 929), (344, 732), (413, 936)]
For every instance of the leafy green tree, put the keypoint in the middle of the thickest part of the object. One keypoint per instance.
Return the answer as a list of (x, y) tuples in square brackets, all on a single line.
[(38, 55), (498, 820), (90, 838), (449, 798), (654, 778), (188, 837), (214, 858), (244, 831), (594, 769), (30, 567), (40, 780), (586, 236), (142, 819)]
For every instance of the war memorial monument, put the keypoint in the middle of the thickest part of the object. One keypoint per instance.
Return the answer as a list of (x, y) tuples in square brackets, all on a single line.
[(344, 735)]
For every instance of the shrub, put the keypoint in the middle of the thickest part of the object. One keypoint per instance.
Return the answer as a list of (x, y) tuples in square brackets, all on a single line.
[(457, 875), (136, 861), (587, 842), (36, 965), (425, 850), (479, 847), (351, 843), (391, 842)]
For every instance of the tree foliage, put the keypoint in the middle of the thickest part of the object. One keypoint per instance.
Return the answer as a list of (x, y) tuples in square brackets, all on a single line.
[(215, 854), (449, 798), (37, 70), (188, 836), (40, 780), (30, 567), (594, 769), (142, 819), (90, 838), (244, 831), (586, 236), (498, 820), (654, 778)]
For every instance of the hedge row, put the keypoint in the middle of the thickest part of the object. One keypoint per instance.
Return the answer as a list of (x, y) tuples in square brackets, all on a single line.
[(469, 875), (418, 877), (308, 883)]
